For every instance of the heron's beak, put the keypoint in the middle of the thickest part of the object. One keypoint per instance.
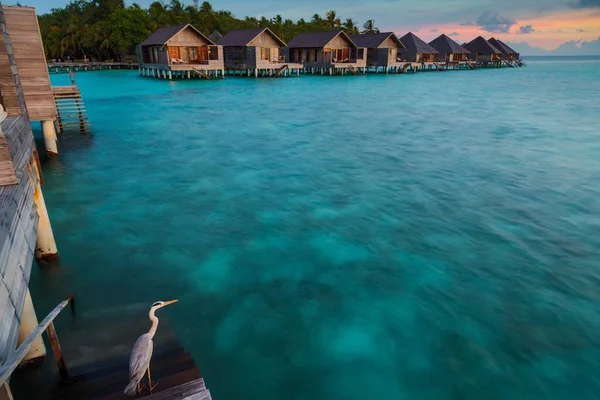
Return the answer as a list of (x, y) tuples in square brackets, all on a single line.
[(166, 303)]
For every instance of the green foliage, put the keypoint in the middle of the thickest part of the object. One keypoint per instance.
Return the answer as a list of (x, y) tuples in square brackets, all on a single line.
[(107, 29)]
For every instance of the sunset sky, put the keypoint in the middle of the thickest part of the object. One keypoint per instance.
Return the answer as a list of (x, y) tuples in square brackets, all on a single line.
[(541, 23)]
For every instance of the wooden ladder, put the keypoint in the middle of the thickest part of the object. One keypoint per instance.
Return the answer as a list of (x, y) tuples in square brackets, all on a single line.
[(281, 70), (352, 69), (406, 67), (201, 73), (70, 110)]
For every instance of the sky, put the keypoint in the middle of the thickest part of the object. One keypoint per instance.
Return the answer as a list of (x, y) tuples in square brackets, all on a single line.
[(539, 25)]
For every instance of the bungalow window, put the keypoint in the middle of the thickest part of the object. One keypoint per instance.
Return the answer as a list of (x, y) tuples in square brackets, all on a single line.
[(341, 55), (193, 53), (213, 53)]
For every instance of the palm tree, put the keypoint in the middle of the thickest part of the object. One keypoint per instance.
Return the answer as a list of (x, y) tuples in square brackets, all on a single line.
[(317, 20), (332, 22), (350, 27), (176, 9), (369, 27), (208, 18)]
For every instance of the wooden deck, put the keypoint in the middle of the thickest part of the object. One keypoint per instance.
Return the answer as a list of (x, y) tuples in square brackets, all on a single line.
[(172, 368), (18, 226), (22, 26)]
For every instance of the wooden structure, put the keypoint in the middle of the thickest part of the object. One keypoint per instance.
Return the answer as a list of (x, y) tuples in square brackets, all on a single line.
[(451, 53), (180, 51), (25, 229), (26, 42), (419, 53), (17, 356), (327, 53), (510, 57), (255, 52), (484, 53), (58, 67), (382, 50), (22, 25), (101, 370), (71, 113)]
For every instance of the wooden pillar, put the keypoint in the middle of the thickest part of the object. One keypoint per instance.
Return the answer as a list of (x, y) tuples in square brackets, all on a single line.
[(140, 71), (170, 75), (29, 322), (50, 140), (45, 247), (57, 352), (256, 73)]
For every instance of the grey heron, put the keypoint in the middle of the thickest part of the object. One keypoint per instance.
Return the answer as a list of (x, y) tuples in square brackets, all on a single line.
[(141, 354)]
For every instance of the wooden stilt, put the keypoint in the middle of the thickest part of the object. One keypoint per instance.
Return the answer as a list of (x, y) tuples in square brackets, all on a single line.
[(57, 351)]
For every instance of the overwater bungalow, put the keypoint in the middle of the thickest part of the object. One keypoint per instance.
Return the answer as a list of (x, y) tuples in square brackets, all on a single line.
[(327, 53), (419, 53), (180, 51), (451, 53), (509, 56), (484, 53), (382, 50), (254, 52)]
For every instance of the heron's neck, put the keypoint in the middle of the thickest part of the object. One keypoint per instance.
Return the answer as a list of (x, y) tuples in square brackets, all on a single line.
[(154, 326)]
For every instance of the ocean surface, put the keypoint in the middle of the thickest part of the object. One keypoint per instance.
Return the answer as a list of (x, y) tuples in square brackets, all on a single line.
[(426, 236)]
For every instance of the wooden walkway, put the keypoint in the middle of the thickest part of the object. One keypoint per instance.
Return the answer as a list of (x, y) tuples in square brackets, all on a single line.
[(62, 67)]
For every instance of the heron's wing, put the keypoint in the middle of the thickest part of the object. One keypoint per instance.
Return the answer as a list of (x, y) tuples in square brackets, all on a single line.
[(140, 357)]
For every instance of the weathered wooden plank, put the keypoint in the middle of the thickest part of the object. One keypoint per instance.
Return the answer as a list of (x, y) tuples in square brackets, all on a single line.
[(28, 50), (17, 356)]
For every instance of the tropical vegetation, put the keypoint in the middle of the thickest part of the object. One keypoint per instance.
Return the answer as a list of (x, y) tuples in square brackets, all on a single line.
[(107, 29)]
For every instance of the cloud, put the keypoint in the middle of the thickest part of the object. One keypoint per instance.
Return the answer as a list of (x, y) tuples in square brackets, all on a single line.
[(578, 48), (586, 3), (494, 22), (527, 49), (526, 29), (453, 34), (468, 23), (580, 30), (434, 30)]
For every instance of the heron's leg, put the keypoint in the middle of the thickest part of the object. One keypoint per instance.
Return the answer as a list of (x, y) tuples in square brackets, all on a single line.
[(150, 386)]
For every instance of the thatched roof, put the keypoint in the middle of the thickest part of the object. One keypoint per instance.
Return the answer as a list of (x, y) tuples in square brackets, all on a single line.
[(245, 36), (481, 46), (415, 44), (445, 45), (162, 35), (317, 39), (374, 40), (500, 45)]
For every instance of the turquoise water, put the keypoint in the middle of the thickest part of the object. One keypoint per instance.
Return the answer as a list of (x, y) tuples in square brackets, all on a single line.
[(427, 236)]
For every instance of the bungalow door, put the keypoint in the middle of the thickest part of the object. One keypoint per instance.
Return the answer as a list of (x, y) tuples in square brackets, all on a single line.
[(202, 54), (174, 53)]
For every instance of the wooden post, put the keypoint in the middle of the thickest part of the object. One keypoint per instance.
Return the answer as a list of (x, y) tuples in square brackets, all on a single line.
[(57, 351), (45, 247), (29, 322), (50, 139)]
